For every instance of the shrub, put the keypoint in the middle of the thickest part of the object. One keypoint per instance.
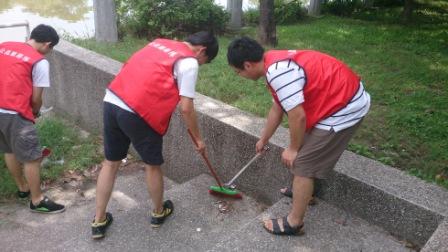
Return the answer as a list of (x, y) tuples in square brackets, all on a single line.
[(285, 11), (388, 3), (341, 7), (170, 18)]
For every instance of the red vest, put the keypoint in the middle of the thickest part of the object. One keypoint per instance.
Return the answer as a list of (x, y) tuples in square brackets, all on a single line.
[(146, 82), (330, 84), (16, 82)]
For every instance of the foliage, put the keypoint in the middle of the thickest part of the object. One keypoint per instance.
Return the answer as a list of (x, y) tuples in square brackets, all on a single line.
[(69, 152), (341, 7), (288, 12), (170, 18), (285, 12), (251, 16), (388, 3)]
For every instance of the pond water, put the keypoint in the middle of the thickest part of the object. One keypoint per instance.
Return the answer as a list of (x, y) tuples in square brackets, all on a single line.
[(70, 17)]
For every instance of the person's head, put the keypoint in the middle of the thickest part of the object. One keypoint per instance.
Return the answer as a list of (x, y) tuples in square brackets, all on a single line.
[(245, 56), (43, 38), (205, 45)]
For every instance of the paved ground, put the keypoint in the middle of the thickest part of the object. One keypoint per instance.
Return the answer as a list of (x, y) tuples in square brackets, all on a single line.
[(196, 225)]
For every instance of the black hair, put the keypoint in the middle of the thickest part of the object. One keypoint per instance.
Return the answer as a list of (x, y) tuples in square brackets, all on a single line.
[(244, 49), (45, 33), (207, 39)]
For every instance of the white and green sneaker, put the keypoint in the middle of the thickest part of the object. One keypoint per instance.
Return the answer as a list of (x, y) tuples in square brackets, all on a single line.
[(47, 206)]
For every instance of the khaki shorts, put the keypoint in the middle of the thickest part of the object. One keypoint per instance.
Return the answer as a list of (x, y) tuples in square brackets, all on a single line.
[(19, 136), (321, 150)]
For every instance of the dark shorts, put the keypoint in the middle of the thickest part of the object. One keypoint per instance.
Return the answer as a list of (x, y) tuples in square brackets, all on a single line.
[(19, 136), (121, 128), (321, 150)]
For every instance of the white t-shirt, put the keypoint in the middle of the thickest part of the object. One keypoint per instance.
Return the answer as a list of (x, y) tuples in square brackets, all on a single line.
[(185, 73), (288, 79), (41, 78)]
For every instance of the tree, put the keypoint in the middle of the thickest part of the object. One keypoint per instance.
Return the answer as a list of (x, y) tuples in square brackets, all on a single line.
[(267, 33), (368, 3), (406, 15), (235, 8), (314, 8), (105, 21)]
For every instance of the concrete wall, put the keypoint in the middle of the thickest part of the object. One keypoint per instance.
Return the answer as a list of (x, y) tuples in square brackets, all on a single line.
[(401, 204)]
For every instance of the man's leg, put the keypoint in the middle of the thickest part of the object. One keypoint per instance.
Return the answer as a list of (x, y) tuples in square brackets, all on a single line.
[(32, 175), (104, 187), (15, 168), (154, 180), (302, 193)]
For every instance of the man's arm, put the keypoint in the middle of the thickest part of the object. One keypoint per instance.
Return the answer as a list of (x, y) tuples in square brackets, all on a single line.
[(273, 121), (189, 116), (36, 100), (297, 126)]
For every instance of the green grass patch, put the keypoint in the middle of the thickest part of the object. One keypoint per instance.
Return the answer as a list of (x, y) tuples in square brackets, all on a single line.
[(404, 68), (70, 151)]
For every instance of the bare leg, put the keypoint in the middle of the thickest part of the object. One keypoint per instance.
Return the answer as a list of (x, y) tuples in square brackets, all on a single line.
[(104, 187), (154, 180), (302, 193), (32, 175), (16, 171)]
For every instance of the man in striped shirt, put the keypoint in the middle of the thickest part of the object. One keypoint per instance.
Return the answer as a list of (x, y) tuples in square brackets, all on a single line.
[(325, 102)]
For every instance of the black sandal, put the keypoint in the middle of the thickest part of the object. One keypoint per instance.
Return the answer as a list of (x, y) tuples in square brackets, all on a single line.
[(287, 229), (157, 219), (288, 193)]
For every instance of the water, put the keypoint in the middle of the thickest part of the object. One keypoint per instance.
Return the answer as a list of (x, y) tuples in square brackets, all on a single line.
[(70, 17)]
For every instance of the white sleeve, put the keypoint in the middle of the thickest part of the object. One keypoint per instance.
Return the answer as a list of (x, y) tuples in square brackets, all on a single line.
[(41, 74), (287, 79), (186, 74)]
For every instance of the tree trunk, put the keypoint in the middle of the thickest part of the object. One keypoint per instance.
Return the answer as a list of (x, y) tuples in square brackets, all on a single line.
[(267, 33), (368, 4), (314, 8), (406, 15), (235, 8), (105, 16)]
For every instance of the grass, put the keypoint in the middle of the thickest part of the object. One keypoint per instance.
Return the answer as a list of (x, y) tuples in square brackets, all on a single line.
[(405, 69), (69, 152)]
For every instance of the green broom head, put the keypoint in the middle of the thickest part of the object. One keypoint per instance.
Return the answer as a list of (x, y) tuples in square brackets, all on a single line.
[(225, 192)]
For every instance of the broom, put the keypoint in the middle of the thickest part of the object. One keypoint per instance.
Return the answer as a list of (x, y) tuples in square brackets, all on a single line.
[(219, 190)]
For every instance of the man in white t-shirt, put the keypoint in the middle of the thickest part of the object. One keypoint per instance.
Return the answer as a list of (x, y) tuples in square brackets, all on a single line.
[(138, 106), (325, 102), (25, 74)]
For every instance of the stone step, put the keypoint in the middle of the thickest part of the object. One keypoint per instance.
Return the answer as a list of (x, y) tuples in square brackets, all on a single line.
[(326, 229), (22, 230), (196, 224)]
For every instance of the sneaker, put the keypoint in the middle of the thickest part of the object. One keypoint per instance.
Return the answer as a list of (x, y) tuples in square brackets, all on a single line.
[(47, 206), (157, 219), (99, 229), (23, 195)]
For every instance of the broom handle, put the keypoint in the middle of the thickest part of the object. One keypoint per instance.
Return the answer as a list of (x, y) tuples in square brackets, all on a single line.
[(209, 165)]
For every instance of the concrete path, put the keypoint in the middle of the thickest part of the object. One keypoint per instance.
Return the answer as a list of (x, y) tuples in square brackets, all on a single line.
[(196, 225)]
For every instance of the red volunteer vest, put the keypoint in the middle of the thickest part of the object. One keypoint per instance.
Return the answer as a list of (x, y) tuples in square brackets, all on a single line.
[(329, 87), (16, 82), (146, 82)]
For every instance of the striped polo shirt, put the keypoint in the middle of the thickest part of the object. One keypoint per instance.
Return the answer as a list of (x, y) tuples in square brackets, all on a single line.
[(288, 79)]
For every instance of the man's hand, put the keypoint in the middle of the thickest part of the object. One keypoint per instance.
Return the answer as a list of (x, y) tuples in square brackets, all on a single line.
[(288, 157), (200, 146), (259, 146)]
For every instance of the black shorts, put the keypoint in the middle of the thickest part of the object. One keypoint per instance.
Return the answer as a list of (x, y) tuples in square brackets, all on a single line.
[(121, 128)]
